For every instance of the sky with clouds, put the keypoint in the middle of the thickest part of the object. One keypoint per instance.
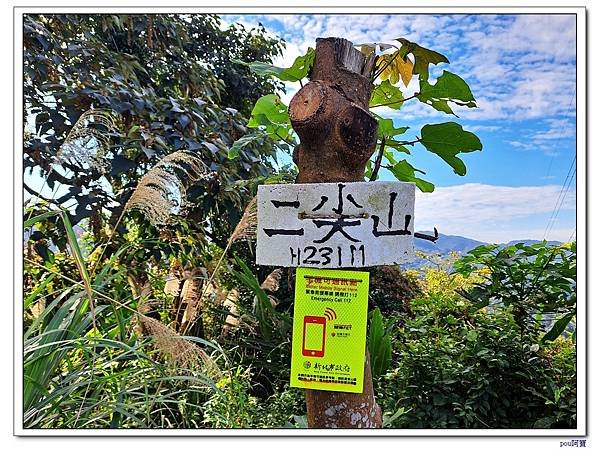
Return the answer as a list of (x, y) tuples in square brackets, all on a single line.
[(522, 72)]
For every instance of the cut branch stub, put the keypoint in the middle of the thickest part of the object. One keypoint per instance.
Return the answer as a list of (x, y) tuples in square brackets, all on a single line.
[(330, 114), (356, 132), (337, 137)]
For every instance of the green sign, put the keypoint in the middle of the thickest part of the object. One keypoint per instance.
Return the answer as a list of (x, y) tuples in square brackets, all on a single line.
[(330, 328)]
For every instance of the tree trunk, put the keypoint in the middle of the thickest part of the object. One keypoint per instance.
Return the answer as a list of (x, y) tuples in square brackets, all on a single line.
[(337, 137)]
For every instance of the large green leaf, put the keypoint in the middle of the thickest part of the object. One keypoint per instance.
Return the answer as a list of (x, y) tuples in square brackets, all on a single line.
[(423, 57), (263, 308), (385, 94), (447, 140), (403, 171), (558, 327), (298, 70), (379, 344), (270, 112), (448, 87), (386, 128)]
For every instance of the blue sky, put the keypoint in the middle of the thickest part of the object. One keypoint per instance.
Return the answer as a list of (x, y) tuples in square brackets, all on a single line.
[(521, 69)]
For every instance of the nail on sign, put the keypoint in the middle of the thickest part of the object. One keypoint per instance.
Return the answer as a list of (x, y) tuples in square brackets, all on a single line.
[(330, 225)]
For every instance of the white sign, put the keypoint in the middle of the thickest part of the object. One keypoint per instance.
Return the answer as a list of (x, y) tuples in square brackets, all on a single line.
[(332, 225)]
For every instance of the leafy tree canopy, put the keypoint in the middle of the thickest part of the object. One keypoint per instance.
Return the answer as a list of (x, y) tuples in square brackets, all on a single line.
[(142, 87)]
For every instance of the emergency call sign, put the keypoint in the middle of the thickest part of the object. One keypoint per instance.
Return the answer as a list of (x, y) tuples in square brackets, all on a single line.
[(329, 332)]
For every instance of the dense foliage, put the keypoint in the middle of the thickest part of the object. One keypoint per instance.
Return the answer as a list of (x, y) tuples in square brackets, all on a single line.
[(463, 366), (165, 83)]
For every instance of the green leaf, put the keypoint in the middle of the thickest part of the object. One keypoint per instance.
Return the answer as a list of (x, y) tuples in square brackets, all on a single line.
[(471, 335), (38, 289), (39, 218), (403, 171), (423, 57), (301, 421), (270, 112), (398, 146), (448, 87), (447, 140), (379, 345), (390, 157), (441, 105), (385, 94), (558, 327), (368, 170), (242, 142), (439, 400), (388, 420), (76, 251), (298, 70), (386, 128), (133, 131)]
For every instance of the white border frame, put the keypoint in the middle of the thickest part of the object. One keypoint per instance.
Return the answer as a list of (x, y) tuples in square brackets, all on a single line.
[(581, 141)]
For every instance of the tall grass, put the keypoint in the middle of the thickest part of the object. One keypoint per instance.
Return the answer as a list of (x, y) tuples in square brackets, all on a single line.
[(84, 366)]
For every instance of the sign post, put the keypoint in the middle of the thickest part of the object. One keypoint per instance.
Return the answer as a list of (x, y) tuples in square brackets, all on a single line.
[(337, 223)]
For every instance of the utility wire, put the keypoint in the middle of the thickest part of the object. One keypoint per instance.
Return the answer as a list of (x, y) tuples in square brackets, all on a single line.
[(561, 196), (562, 134)]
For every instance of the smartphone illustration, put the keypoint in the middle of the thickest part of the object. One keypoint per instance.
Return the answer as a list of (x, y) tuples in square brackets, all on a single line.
[(313, 336)]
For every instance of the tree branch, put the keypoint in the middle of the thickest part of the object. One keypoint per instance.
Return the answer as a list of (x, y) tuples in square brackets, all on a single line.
[(416, 94), (409, 142), (37, 194), (378, 160)]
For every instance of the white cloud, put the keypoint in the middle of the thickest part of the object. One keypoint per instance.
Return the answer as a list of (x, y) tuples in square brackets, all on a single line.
[(549, 139), (493, 213), (519, 67), (476, 128)]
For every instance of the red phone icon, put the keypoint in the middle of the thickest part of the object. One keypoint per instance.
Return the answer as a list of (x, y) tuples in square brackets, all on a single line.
[(313, 336)]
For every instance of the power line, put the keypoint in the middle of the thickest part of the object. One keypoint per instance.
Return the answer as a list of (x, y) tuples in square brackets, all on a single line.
[(561, 196), (562, 133)]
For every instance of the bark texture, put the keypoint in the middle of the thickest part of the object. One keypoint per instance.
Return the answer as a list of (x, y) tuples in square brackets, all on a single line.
[(331, 115), (337, 137)]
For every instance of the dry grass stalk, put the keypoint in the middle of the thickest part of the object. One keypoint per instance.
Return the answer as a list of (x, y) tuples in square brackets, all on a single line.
[(173, 281), (246, 229), (243, 323), (162, 191), (273, 281), (191, 297), (38, 308), (230, 303), (172, 284), (88, 141), (170, 344)]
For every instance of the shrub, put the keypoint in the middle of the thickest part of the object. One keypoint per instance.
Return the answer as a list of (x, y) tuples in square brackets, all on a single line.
[(459, 365)]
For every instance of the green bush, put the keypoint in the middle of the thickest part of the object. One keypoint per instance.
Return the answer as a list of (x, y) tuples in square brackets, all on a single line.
[(459, 364), (235, 407)]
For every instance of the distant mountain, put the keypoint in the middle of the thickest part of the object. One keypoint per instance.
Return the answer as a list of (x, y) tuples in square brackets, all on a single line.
[(448, 243)]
